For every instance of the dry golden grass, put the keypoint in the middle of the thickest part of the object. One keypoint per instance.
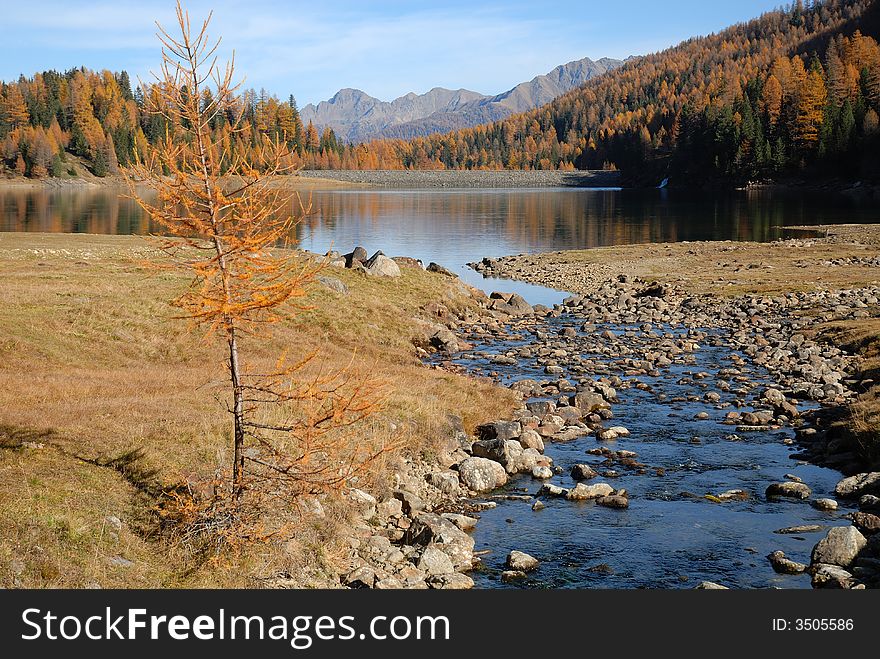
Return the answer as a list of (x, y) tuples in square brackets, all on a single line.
[(862, 423), (95, 367)]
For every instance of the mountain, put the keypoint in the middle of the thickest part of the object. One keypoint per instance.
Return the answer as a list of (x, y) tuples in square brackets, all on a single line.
[(358, 117), (793, 94)]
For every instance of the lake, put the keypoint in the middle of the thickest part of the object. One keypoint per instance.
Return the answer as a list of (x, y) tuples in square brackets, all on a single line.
[(454, 227)]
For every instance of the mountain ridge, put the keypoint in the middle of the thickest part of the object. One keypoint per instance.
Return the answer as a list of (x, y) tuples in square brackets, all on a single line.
[(355, 116)]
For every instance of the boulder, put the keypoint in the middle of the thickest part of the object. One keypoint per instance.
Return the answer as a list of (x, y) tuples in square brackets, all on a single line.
[(783, 565), (710, 585), (583, 492), (429, 528), (788, 490), (541, 472), (831, 576), (358, 255), (445, 339), (827, 505), (481, 474), (522, 562), (613, 501), (867, 523), (549, 489), (582, 472), (858, 485), (840, 547), (587, 401), (445, 481), (503, 451), (453, 581), (435, 561), (380, 265), (464, 522), (500, 430), (334, 284), (440, 270), (531, 439)]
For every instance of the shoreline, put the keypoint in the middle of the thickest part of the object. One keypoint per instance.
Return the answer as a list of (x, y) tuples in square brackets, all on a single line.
[(374, 179)]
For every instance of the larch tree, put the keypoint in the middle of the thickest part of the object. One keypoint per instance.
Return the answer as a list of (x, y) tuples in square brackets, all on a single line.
[(231, 227)]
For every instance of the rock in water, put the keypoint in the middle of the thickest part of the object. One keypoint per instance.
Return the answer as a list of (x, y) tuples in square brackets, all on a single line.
[(582, 472), (481, 474), (583, 492), (522, 562), (784, 565), (840, 547), (789, 490)]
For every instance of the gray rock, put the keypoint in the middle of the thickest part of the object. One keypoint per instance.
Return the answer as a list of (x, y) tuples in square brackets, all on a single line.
[(509, 576), (710, 585), (542, 473), (827, 505), (831, 576), (869, 503), (784, 565), (435, 561), (531, 439), (499, 430), (582, 472), (445, 481), (867, 523), (334, 284), (428, 528), (453, 581), (858, 485), (522, 562), (583, 492), (588, 402), (482, 475), (464, 522), (839, 547), (789, 490), (613, 501), (412, 504)]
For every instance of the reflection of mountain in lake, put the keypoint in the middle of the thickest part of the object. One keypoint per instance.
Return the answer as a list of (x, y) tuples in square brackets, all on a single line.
[(457, 226)]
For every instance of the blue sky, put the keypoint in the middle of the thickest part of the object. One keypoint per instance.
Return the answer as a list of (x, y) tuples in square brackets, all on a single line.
[(386, 48)]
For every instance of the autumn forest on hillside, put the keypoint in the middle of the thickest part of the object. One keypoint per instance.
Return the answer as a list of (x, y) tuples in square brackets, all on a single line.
[(795, 92)]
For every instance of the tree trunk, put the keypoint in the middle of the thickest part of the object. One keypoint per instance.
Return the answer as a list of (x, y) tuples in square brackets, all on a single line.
[(238, 414)]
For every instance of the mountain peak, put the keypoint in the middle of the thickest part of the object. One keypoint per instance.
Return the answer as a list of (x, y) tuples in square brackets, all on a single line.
[(357, 117)]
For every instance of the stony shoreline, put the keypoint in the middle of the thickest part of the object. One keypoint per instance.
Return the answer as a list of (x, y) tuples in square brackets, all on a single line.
[(422, 538), (454, 179), (775, 331)]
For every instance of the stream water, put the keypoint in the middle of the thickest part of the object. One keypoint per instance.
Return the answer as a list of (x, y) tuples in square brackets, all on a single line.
[(671, 536)]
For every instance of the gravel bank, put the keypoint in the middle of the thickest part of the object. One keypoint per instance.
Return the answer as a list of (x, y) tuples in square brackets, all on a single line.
[(471, 179)]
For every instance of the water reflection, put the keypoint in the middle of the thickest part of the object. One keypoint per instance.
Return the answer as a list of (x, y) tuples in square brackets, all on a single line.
[(453, 227)]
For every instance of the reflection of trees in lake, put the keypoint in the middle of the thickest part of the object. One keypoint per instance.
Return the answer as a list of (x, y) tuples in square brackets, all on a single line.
[(530, 219), (99, 211)]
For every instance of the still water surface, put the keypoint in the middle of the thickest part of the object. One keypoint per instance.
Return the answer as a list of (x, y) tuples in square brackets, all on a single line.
[(454, 227)]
